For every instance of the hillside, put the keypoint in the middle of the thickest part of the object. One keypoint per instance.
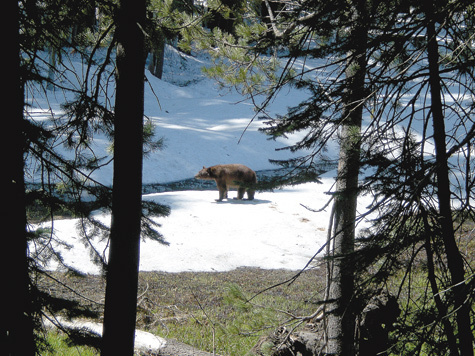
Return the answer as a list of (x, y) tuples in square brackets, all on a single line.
[(202, 125)]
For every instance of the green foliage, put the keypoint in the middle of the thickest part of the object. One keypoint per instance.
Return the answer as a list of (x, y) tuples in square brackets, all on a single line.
[(175, 20), (151, 144), (256, 315), (211, 311), (236, 62), (58, 344)]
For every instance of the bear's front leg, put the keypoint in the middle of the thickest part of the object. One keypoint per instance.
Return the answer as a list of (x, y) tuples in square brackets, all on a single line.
[(250, 194), (240, 193), (223, 192)]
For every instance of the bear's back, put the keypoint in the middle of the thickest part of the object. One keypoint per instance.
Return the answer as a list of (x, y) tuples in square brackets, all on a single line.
[(234, 173)]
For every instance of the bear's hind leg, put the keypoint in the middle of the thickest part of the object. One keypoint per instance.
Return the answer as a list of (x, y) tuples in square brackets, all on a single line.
[(240, 193)]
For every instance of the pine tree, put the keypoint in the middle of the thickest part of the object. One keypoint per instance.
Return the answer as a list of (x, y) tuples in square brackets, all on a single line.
[(341, 313), (58, 183), (400, 173), (454, 258), (122, 270), (16, 325)]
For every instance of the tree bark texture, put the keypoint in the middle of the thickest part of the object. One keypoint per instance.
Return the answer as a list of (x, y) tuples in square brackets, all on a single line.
[(122, 271), (341, 316)]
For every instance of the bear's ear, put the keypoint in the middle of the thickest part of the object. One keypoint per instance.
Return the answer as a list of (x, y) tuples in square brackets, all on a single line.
[(204, 167)]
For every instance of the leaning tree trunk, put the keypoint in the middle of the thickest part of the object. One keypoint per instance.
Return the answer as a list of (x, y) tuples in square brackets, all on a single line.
[(454, 258), (122, 270), (341, 316)]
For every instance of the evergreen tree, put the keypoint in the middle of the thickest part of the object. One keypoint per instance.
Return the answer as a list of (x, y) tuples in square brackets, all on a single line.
[(341, 313), (166, 20), (16, 325), (393, 59), (410, 175), (454, 258), (124, 252), (59, 154)]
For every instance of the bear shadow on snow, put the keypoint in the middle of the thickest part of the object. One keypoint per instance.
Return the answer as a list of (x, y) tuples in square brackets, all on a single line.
[(242, 201)]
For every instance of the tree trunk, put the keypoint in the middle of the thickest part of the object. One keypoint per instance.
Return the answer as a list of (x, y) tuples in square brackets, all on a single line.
[(454, 258), (16, 325), (158, 55), (341, 316), (122, 271), (51, 68)]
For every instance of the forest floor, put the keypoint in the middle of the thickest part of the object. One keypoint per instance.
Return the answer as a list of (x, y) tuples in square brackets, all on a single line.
[(168, 301)]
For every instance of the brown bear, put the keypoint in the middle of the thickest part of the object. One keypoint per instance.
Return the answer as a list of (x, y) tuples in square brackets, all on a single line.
[(231, 176)]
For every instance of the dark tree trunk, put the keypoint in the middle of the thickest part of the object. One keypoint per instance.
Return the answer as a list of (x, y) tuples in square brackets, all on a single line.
[(158, 56), (341, 316), (454, 258), (122, 272), (16, 320)]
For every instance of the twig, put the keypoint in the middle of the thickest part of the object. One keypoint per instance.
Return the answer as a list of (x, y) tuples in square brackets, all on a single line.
[(141, 295), (211, 321), (318, 210)]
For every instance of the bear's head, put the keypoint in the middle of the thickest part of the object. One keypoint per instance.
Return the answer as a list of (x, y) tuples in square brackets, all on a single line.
[(205, 173)]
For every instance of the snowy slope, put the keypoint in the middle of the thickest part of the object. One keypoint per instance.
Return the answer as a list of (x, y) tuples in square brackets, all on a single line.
[(200, 123), (203, 125)]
